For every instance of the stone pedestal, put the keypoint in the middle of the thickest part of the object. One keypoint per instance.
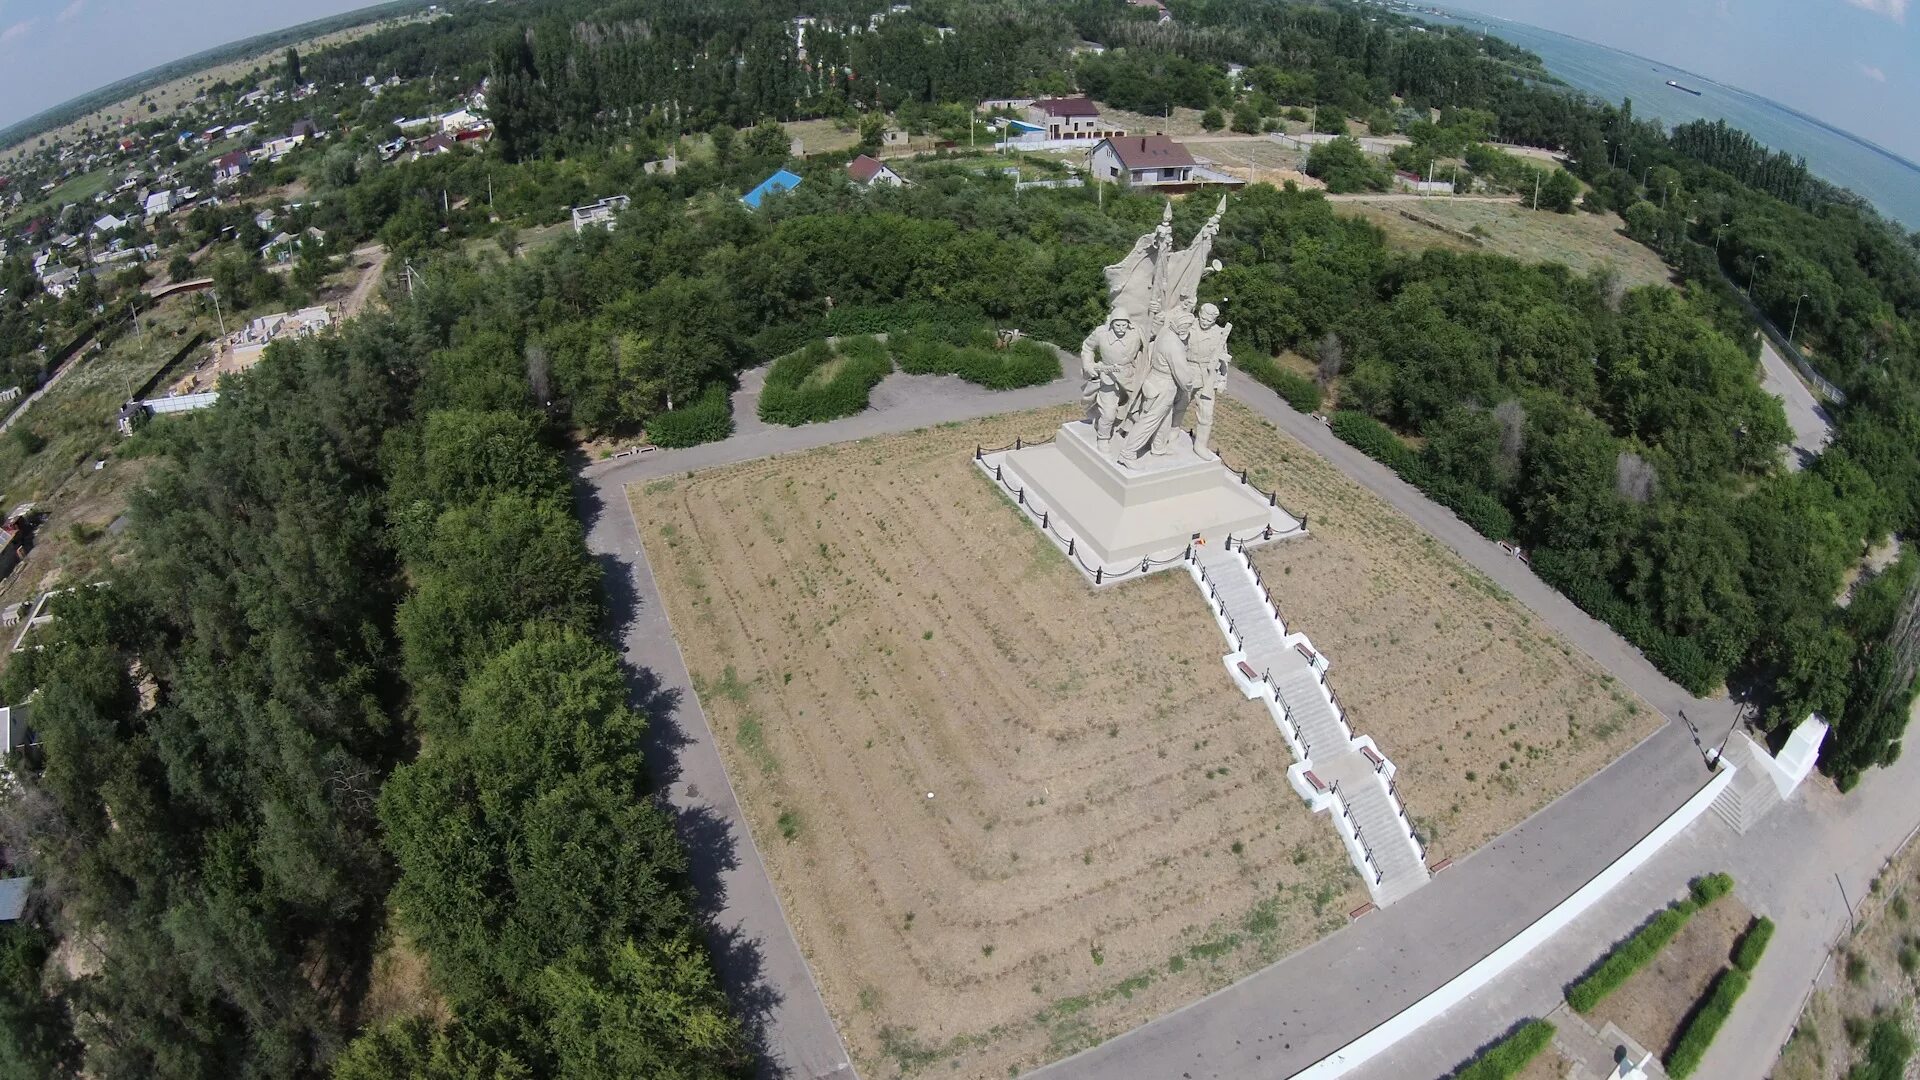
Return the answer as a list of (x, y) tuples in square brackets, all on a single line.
[(1152, 508)]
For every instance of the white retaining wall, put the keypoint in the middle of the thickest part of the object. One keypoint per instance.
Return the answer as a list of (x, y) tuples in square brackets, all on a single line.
[(1457, 989)]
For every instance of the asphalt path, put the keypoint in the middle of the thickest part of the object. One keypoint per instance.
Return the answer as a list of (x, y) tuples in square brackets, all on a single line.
[(1812, 427)]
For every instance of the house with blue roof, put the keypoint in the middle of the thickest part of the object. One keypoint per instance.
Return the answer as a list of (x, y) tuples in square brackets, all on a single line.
[(780, 181)]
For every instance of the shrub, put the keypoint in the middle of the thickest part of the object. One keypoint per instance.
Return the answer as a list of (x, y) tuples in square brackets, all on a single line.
[(797, 393), (1630, 956), (1300, 392), (708, 419), (1481, 510), (1888, 1049), (1374, 439), (1709, 887), (1748, 952), (969, 352), (1700, 1031), (1681, 659), (1510, 1055)]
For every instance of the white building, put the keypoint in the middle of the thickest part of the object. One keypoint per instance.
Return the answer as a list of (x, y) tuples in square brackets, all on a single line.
[(1143, 161), (599, 213)]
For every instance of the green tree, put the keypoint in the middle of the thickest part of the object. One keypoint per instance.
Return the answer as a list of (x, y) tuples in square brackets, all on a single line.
[(1558, 191), (768, 140), (1345, 167), (1212, 119)]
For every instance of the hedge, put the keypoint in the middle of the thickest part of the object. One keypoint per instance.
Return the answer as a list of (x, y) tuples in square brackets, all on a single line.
[(1300, 392), (1630, 956), (1705, 1024), (1747, 954), (1889, 1048), (708, 419), (793, 396), (1511, 1054), (1707, 888), (1482, 512), (926, 350)]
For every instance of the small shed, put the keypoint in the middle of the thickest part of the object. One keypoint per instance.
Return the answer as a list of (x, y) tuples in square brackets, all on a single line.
[(13, 897)]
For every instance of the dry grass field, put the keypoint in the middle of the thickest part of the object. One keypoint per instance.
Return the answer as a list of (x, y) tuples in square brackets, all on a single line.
[(1580, 240), (1875, 976), (1109, 833), (1489, 714)]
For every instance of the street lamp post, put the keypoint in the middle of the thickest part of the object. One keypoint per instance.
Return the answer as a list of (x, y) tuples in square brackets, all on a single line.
[(1796, 321), (1753, 273)]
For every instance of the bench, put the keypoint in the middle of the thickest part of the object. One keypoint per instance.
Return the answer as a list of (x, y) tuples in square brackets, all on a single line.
[(1302, 649), (1373, 756), (1439, 866), (1318, 784), (1247, 670), (1364, 909)]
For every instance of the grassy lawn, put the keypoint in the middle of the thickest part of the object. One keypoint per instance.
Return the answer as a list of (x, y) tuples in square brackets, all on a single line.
[(1579, 240), (76, 421)]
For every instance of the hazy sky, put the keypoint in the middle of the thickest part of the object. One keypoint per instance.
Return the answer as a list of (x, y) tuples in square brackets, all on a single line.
[(55, 50), (1852, 63)]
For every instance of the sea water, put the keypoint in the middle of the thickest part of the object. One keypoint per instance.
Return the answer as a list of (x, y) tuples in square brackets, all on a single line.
[(1890, 182)]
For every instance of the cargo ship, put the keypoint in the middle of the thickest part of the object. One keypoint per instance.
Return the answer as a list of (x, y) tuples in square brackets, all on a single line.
[(1685, 89)]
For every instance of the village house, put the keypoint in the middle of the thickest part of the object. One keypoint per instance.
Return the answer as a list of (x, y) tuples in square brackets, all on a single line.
[(868, 172), (230, 166), (1071, 118), (1144, 161), (599, 214)]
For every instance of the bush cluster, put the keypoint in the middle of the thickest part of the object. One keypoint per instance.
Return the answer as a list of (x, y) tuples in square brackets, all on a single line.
[(1747, 954), (1700, 1030), (797, 393), (1682, 659), (1482, 511), (708, 419), (1511, 1054), (1300, 392), (1889, 1047), (1707, 888), (1630, 956), (927, 351)]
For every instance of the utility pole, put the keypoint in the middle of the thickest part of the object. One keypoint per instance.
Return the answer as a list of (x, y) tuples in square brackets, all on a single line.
[(1536, 189), (216, 312)]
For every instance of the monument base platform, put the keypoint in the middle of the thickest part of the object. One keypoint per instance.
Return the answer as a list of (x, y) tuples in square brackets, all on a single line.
[(1118, 520)]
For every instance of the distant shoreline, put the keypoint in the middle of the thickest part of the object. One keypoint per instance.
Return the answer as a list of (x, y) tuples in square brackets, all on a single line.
[(1865, 143)]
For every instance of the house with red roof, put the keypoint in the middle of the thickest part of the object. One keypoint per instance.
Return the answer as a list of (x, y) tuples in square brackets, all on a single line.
[(867, 171), (1071, 118), (1144, 161)]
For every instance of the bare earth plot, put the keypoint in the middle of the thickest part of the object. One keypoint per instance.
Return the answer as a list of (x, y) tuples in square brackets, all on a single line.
[(1654, 1004), (1580, 240), (1110, 835)]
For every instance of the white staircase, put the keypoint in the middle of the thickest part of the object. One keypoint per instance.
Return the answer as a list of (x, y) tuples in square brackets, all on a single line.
[(1343, 774)]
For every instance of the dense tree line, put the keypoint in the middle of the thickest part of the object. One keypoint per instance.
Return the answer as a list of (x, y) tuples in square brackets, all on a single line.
[(353, 675)]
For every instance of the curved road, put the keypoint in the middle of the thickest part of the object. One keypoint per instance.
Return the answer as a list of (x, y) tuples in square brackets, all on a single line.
[(1294, 1012)]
